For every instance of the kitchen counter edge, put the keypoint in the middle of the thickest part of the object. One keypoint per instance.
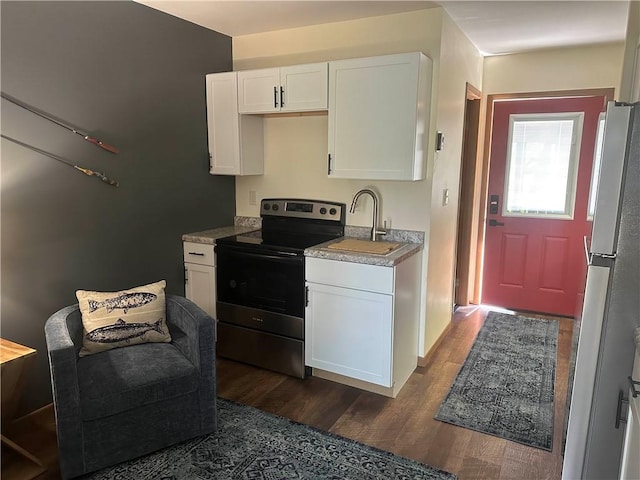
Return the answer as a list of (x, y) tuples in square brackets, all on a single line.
[(210, 236)]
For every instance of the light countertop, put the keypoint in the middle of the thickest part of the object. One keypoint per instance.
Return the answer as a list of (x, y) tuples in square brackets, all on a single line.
[(404, 251), (210, 236), (411, 242)]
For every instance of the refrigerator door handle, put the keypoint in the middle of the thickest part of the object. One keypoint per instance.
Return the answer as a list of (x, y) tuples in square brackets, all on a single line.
[(606, 256), (586, 250)]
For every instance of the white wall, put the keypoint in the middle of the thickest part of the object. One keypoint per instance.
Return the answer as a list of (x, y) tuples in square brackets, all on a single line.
[(459, 63), (595, 66), (630, 82), (296, 147)]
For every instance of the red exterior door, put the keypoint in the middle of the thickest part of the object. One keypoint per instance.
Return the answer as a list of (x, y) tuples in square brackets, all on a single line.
[(540, 174)]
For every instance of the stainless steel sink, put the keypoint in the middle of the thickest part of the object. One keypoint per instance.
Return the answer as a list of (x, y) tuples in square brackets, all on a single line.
[(370, 247)]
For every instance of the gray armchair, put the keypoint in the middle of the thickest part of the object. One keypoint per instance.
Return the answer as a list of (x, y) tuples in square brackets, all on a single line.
[(123, 403)]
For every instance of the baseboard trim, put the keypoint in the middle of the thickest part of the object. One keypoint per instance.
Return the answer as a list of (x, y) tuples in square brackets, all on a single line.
[(354, 382), (33, 413), (424, 361)]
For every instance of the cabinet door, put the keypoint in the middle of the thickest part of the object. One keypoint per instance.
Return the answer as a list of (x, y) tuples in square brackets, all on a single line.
[(630, 467), (349, 332), (304, 87), (378, 117), (223, 124), (235, 141), (259, 91), (200, 286)]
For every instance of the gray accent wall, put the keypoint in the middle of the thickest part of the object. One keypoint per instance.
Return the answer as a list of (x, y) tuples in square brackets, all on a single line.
[(134, 78)]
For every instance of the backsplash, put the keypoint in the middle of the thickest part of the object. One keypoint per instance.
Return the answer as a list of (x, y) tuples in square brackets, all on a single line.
[(255, 222)]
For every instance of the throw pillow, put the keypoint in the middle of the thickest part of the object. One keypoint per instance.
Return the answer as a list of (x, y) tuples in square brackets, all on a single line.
[(117, 319)]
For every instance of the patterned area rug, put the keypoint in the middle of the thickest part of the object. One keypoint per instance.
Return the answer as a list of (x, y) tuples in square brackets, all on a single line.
[(252, 444), (506, 385)]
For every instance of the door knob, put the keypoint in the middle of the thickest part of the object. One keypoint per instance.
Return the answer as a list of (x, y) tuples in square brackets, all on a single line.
[(495, 223)]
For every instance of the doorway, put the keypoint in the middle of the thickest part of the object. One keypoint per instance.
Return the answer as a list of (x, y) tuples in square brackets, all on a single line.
[(536, 196), (470, 176)]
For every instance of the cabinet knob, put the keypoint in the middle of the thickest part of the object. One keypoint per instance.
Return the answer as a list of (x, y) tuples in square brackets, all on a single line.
[(281, 97), (275, 97)]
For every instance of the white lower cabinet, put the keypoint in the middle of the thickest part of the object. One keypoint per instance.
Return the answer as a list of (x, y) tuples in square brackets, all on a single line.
[(361, 324), (200, 276), (630, 468), (349, 332)]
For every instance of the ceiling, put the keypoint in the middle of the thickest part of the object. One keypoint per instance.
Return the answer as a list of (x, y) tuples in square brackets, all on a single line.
[(494, 27)]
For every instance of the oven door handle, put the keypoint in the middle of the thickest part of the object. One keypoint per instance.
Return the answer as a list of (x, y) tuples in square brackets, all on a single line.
[(279, 256)]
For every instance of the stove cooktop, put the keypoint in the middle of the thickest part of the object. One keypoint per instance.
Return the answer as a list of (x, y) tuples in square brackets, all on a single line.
[(291, 242), (291, 225)]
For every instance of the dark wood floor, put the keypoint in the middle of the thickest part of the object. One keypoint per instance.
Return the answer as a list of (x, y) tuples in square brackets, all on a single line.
[(404, 425)]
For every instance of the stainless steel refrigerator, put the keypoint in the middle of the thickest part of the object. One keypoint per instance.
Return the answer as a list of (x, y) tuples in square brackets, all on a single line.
[(611, 309)]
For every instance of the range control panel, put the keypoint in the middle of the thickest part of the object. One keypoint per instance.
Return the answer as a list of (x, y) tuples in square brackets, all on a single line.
[(297, 208)]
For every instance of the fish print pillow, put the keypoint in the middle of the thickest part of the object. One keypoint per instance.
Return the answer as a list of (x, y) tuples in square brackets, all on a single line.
[(117, 319)]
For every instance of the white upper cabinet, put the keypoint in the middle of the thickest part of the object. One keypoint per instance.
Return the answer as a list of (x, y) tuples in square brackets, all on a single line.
[(298, 88), (235, 141), (379, 117)]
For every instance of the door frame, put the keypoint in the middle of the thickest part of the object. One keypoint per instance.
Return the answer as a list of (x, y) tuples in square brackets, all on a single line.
[(469, 201), (607, 93)]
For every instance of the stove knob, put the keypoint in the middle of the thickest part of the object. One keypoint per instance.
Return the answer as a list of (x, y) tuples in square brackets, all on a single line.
[(266, 206), (333, 211), (275, 207), (323, 211)]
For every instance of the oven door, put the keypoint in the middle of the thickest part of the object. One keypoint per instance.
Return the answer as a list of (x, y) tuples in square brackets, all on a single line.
[(269, 281)]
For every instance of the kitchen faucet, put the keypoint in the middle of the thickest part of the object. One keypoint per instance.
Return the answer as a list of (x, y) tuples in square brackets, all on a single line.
[(374, 228)]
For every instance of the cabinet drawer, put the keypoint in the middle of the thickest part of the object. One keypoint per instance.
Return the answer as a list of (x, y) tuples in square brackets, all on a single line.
[(200, 253), (359, 276)]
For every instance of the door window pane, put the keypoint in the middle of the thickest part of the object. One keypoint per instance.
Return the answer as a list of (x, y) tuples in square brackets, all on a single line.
[(541, 165)]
